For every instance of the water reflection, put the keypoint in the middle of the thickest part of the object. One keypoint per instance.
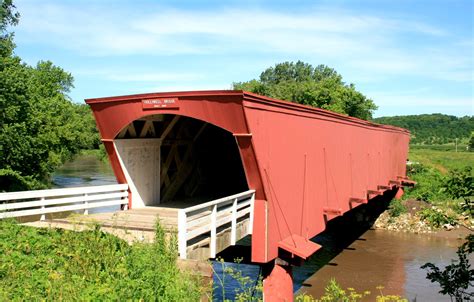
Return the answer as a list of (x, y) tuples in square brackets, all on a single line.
[(84, 170)]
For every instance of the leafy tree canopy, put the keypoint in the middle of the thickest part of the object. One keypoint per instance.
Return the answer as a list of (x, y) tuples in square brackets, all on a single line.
[(432, 128), (40, 127), (318, 86)]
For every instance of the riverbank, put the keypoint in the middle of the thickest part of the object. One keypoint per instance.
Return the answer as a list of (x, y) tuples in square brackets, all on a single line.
[(443, 197), (419, 217)]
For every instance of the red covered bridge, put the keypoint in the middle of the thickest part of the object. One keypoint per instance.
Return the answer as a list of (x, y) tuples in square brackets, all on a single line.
[(219, 165), (305, 165)]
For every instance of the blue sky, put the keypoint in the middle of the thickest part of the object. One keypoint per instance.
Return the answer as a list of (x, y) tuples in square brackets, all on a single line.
[(410, 57)]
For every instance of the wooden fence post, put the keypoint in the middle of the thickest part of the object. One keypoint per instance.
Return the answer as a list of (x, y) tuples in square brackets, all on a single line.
[(182, 230), (213, 243), (233, 229)]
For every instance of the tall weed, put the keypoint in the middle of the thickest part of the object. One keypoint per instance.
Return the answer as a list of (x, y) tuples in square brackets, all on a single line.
[(56, 265)]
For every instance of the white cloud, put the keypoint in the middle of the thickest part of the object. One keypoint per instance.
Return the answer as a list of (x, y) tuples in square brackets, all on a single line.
[(367, 43), (104, 31), (137, 76)]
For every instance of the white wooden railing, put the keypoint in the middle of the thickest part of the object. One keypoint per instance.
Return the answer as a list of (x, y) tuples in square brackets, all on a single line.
[(42, 202), (208, 217)]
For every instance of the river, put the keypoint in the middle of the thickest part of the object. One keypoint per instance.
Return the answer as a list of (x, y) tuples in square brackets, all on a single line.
[(84, 170), (363, 258)]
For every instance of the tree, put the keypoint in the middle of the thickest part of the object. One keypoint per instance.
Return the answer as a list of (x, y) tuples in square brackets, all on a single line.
[(8, 17), (432, 128), (471, 142), (457, 277), (40, 127), (318, 86)]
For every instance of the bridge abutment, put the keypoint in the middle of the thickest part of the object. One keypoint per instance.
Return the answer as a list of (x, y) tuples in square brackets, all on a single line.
[(278, 282)]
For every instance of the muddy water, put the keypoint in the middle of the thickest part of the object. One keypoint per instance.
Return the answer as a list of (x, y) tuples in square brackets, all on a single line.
[(385, 258)]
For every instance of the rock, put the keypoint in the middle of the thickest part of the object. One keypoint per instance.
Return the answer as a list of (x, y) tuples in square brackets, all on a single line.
[(448, 227)]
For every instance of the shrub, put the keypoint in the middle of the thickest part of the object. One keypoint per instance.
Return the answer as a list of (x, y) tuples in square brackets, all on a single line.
[(428, 188), (460, 184), (437, 217), (457, 277), (333, 292), (39, 264), (396, 208), (415, 168)]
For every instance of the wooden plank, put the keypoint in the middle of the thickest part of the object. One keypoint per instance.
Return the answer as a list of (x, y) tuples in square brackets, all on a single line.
[(197, 232), (182, 231), (192, 184), (223, 200), (332, 211), (358, 200), (252, 202), (167, 163), (61, 192), (213, 244), (166, 180), (122, 133), (201, 130), (244, 212), (148, 127), (57, 201), (200, 221), (180, 176), (409, 183), (197, 215), (62, 208), (169, 127), (205, 218), (374, 192), (244, 204), (177, 160), (131, 130), (233, 227), (395, 182)]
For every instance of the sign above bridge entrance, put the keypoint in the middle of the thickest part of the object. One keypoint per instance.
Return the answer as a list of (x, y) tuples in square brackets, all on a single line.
[(160, 103)]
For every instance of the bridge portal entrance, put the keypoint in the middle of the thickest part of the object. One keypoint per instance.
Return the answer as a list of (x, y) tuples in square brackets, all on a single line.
[(173, 160)]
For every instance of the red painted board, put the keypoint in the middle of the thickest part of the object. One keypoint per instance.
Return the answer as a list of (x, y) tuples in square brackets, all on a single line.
[(299, 246)]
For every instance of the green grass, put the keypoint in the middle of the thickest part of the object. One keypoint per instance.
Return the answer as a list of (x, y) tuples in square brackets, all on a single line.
[(444, 179), (443, 161), (38, 264)]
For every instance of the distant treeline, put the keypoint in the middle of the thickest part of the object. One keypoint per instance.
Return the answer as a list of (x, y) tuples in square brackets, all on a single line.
[(433, 129)]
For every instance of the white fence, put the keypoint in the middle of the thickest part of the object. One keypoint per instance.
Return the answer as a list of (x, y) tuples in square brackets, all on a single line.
[(208, 217), (42, 202)]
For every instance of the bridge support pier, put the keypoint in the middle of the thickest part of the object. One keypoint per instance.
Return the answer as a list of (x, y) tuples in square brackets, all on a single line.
[(399, 193), (278, 282)]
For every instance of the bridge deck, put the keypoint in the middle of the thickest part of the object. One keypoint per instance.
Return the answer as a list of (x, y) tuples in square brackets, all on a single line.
[(138, 225), (203, 228)]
